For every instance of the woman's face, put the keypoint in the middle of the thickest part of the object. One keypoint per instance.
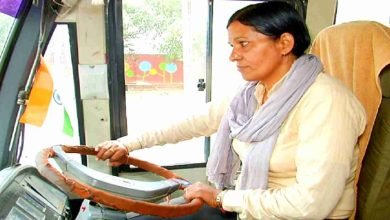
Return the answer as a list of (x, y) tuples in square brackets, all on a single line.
[(258, 57)]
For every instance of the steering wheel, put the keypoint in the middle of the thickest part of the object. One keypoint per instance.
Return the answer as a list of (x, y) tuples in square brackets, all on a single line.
[(116, 192)]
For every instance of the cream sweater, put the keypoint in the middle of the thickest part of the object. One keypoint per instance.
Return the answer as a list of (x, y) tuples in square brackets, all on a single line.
[(313, 164)]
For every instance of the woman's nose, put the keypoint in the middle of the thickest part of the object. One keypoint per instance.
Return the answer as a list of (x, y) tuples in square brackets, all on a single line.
[(234, 56)]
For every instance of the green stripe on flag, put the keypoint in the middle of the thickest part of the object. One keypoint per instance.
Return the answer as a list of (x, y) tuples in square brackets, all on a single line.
[(67, 129)]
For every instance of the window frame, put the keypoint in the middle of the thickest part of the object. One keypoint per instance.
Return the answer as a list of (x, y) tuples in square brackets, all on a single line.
[(115, 70), (79, 104)]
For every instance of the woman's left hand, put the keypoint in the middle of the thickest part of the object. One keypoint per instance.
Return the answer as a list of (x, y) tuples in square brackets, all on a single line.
[(202, 191)]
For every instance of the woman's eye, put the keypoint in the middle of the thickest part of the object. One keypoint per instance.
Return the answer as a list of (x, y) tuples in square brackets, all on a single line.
[(243, 43)]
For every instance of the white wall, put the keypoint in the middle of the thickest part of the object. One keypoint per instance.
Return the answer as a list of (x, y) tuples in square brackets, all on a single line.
[(375, 10)]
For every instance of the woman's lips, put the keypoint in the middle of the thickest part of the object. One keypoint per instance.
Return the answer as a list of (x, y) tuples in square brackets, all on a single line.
[(241, 68)]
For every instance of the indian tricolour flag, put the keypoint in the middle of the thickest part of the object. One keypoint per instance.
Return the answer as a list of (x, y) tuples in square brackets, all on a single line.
[(44, 100)]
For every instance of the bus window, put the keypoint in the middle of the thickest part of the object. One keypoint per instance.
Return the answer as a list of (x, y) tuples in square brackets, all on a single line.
[(225, 74), (7, 24), (165, 44), (375, 10), (60, 125)]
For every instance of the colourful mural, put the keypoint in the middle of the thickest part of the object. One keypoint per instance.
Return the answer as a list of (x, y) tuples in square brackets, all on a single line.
[(144, 69)]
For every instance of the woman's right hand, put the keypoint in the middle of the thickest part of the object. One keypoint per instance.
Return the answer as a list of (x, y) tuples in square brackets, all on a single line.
[(111, 150)]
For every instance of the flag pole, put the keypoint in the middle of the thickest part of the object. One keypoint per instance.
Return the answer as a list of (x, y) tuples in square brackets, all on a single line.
[(23, 95)]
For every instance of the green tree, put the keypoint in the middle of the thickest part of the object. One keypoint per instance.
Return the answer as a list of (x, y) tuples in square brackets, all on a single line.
[(158, 22)]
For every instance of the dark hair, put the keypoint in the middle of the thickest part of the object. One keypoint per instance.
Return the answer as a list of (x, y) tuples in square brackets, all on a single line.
[(273, 18)]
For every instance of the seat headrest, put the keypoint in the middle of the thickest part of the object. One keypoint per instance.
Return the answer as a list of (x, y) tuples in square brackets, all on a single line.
[(357, 52), (358, 48)]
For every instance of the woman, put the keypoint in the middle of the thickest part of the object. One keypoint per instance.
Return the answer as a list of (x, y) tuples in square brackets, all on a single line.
[(292, 130)]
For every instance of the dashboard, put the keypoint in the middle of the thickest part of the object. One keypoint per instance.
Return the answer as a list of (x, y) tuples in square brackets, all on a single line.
[(25, 194)]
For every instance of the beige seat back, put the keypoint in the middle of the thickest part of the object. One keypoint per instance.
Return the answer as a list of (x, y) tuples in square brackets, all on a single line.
[(357, 52)]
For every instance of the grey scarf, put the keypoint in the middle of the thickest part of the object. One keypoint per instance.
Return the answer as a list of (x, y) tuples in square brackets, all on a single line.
[(260, 129)]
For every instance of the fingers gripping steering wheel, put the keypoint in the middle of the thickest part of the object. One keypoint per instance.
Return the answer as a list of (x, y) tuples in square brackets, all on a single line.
[(116, 192)]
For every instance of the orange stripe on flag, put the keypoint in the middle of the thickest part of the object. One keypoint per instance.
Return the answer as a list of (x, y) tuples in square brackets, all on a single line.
[(40, 97)]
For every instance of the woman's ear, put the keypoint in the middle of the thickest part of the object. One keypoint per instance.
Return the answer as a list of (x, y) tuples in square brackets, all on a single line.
[(286, 41)]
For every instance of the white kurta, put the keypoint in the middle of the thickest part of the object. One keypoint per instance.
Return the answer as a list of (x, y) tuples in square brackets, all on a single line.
[(312, 167)]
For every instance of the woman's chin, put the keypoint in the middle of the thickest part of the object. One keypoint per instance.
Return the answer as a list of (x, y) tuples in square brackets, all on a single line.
[(248, 78)]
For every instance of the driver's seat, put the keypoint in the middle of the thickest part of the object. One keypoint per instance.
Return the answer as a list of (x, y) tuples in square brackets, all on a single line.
[(358, 53)]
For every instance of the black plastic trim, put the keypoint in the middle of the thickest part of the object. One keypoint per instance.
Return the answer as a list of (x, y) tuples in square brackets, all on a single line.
[(72, 28), (115, 69)]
